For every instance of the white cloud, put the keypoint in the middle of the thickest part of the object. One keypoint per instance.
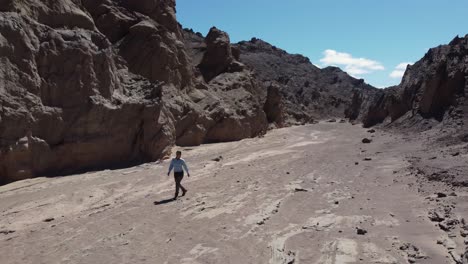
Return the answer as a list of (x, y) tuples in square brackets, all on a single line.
[(396, 74), (402, 66), (356, 70), (400, 70), (353, 66)]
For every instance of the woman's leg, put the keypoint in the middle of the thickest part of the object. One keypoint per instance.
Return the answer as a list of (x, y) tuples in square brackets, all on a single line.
[(177, 178)]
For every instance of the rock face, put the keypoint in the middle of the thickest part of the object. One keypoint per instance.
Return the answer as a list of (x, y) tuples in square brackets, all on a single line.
[(372, 107), (94, 84), (227, 103), (433, 88), (274, 106), (438, 81), (68, 102)]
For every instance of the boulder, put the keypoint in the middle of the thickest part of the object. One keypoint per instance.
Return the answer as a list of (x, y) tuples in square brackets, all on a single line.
[(218, 57)]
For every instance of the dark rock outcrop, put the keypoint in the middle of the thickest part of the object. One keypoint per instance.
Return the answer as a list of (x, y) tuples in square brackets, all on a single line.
[(433, 88), (309, 92), (218, 57)]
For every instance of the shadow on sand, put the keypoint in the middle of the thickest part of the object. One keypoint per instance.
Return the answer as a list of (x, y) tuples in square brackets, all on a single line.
[(166, 201)]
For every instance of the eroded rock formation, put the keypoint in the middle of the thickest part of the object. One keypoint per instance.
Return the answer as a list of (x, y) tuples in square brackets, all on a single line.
[(94, 84)]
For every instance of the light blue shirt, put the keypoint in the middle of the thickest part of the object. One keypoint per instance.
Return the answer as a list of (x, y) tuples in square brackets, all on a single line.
[(178, 165)]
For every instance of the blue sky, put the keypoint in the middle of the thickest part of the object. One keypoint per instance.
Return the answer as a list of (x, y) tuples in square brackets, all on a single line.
[(367, 38)]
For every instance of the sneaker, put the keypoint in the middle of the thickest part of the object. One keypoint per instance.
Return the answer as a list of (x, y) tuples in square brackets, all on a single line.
[(184, 192)]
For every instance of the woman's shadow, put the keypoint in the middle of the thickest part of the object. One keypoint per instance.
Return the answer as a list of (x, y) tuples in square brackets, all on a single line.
[(165, 201)]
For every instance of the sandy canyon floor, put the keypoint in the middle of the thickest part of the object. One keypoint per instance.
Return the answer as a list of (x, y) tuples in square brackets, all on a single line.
[(309, 194)]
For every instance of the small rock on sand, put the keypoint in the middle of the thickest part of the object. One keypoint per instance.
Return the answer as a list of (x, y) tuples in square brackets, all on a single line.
[(444, 227), (218, 159), (436, 217), (361, 231), (298, 189)]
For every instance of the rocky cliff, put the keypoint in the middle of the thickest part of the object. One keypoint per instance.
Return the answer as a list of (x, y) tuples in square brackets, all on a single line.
[(434, 88), (93, 84)]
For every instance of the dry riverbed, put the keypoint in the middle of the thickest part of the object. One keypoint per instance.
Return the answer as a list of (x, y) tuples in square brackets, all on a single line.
[(309, 194)]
